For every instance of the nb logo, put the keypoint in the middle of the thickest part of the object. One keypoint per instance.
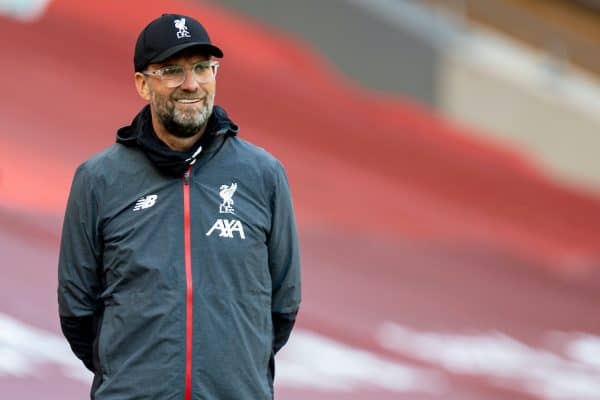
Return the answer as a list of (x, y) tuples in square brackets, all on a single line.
[(227, 227), (183, 30), (145, 202)]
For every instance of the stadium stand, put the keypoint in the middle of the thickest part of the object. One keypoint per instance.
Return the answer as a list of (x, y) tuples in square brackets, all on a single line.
[(567, 29)]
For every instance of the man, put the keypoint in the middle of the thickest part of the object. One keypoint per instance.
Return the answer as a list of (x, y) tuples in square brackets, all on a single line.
[(179, 273)]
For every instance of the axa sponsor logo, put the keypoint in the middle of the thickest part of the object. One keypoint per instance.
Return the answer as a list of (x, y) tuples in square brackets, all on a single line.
[(228, 228), (145, 202)]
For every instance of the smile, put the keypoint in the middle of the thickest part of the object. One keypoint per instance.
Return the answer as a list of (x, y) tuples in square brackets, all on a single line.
[(188, 101)]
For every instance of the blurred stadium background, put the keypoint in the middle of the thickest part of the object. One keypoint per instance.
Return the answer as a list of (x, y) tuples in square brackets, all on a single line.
[(444, 158)]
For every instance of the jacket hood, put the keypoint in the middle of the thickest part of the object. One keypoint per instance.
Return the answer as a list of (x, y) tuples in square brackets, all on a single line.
[(170, 162)]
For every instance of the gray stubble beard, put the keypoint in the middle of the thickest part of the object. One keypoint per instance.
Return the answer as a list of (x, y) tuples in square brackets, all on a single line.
[(180, 123)]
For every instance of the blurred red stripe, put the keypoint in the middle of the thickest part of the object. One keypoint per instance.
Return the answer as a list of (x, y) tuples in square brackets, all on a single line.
[(356, 159)]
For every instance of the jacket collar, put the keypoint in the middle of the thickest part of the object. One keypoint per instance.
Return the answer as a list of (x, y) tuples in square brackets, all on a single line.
[(170, 162)]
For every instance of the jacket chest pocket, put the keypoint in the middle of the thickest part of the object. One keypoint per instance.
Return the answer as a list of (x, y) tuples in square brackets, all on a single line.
[(236, 266)]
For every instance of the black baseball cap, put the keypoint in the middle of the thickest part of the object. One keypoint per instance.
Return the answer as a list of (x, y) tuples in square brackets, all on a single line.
[(167, 35)]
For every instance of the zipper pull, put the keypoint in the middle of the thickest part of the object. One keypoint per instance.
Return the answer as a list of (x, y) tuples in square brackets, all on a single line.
[(186, 175), (192, 160)]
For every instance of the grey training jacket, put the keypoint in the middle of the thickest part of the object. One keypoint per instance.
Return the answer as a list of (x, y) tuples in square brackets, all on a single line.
[(192, 281)]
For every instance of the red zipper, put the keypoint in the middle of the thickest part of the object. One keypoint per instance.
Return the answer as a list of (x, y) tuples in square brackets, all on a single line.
[(189, 286)]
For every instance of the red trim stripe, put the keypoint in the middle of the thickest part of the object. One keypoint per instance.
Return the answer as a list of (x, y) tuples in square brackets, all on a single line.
[(189, 287)]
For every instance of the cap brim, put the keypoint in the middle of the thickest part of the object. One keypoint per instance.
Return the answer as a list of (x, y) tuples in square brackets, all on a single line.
[(205, 48)]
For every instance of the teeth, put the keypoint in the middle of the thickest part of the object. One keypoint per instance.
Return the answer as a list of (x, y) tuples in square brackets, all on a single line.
[(187, 101)]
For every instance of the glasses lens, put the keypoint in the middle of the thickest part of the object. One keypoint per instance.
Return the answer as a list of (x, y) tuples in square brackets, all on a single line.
[(173, 75), (205, 71)]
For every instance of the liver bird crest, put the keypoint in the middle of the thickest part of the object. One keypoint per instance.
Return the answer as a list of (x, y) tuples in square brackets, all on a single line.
[(226, 193), (182, 29), (180, 24)]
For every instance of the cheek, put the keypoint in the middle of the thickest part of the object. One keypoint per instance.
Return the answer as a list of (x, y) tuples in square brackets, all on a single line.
[(209, 89), (162, 101)]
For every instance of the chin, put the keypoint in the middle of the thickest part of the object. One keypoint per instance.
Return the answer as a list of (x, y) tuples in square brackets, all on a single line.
[(193, 121)]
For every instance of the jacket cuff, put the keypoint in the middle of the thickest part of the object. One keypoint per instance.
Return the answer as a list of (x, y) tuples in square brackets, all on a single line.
[(79, 332), (283, 323)]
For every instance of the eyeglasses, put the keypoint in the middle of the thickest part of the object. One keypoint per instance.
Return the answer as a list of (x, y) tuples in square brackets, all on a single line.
[(174, 75)]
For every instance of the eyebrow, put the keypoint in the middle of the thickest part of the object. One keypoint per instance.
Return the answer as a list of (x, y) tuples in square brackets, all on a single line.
[(173, 64), (167, 64)]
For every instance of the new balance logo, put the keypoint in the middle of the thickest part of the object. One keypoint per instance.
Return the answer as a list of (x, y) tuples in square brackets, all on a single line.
[(145, 202), (227, 227)]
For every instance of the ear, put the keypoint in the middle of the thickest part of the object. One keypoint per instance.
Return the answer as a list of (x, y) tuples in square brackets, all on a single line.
[(142, 86)]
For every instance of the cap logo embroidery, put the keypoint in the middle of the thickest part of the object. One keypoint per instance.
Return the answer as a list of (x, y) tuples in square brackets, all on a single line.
[(183, 29)]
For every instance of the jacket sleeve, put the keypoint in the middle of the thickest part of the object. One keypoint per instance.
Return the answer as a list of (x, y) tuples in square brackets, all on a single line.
[(78, 265), (284, 262)]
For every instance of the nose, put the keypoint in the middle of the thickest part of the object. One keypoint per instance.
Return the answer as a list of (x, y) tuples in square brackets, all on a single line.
[(190, 83)]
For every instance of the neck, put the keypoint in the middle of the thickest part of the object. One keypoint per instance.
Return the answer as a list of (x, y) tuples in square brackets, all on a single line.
[(175, 142)]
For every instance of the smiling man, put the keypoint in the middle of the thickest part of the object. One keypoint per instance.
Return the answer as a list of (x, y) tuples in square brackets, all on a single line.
[(179, 271), (180, 107)]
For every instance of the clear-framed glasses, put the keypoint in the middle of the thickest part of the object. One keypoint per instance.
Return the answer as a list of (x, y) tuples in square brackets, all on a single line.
[(174, 75)]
